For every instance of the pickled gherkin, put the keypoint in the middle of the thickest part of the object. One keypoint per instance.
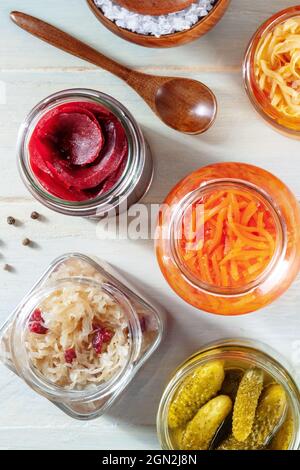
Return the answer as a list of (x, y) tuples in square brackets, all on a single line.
[(284, 435), (203, 427), (246, 402), (269, 414), (195, 391)]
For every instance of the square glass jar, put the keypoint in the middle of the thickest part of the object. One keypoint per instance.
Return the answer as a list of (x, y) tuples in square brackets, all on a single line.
[(145, 330)]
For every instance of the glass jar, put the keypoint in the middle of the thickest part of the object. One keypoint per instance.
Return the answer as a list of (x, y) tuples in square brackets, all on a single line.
[(276, 276), (129, 189), (236, 355), (285, 125), (144, 327)]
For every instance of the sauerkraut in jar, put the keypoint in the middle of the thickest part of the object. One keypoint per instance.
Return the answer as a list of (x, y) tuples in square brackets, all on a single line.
[(80, 335), (228, 238)]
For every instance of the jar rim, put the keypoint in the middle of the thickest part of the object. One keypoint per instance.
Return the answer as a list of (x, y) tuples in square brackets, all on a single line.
[(281, 235), (40, 383), (258, 99), (118, 193), (261, 354)]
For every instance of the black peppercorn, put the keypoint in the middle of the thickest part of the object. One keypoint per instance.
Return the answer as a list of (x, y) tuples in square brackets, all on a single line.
[(26, 242), (35, 215), (11, 220)]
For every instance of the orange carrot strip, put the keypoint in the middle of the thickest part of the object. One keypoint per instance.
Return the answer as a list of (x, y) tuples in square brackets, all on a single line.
[(216, 269), (212, 212), (204, 260), (224, 276), (234, 271), (200, 264), (269, 238), (260, 220), (216, 240), (214, 197), (249, 229), (244, 255), (249, 212), (245, 239), (235, 207), (242, 194), (254, 268), (219, 252)]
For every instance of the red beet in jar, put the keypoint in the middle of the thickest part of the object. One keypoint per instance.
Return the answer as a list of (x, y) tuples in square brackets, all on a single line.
[(82, 153)]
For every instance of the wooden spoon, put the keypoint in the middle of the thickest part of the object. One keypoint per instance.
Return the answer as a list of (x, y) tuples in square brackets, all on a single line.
[(155, 7), (185, 105)]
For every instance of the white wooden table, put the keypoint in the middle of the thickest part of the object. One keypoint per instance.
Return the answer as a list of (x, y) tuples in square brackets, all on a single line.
[(31, 70)]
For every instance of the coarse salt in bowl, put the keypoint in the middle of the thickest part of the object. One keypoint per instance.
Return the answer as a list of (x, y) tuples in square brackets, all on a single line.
[(155, 25), (169, 30)]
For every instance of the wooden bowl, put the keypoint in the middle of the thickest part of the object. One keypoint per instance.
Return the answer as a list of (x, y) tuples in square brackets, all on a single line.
[(204, 25)]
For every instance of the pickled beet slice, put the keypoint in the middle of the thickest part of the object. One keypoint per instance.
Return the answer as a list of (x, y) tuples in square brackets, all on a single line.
[(36, 323), (59, 160), (114, 178), (52, 185), (97, 110), (106, 336), (40, 151), (110, 158), (109, 183), (37, 328), (70, 355), (101, 336), (36, 316), (75, 136)]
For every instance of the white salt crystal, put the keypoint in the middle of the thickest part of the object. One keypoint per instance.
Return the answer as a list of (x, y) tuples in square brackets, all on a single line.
[(155, 25)]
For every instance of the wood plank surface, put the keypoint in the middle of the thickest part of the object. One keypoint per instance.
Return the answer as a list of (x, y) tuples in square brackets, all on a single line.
[(31, 70)]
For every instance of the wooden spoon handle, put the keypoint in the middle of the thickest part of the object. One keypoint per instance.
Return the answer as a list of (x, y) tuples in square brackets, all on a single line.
[(68, 43)]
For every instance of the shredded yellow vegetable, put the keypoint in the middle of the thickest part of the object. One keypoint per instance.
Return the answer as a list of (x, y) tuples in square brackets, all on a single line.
[(277, 67)]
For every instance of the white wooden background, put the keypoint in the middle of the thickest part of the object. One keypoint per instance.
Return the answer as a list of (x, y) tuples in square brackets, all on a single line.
[(31, 70)]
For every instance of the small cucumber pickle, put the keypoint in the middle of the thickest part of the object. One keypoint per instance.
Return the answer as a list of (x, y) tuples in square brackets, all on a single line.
[(230, 396), (195, 391)]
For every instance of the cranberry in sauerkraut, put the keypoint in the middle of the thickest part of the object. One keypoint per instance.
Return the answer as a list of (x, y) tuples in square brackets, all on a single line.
[(78, 336)]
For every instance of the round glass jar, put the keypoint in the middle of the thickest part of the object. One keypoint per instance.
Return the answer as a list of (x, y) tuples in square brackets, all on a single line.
[(129, 189), (19, 349), (285, 125), (237, 355), (275, 277)]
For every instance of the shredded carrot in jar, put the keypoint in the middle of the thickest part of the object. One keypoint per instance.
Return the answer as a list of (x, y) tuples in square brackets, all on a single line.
[(277, 68), (233, 240)]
